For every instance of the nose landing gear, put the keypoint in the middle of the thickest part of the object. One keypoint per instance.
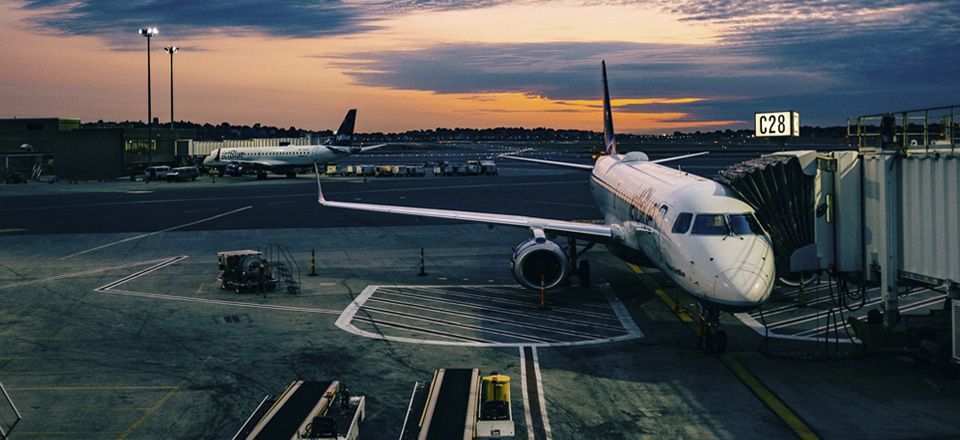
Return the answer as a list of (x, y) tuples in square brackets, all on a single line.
[(712, 339)]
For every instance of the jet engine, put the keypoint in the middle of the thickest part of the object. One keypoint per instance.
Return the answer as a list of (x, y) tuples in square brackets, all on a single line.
[(539, 260)]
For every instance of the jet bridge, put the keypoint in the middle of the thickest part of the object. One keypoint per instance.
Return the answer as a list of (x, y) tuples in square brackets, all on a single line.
[(887, 213)]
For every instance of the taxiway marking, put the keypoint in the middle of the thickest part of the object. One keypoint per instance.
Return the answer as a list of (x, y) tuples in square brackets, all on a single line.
[(454, 324), (219, 302), (751, 381), (281, 196), (534, 403), (349, 314), (95, 388), (137, 237), (111, 288), (512, 323), (793, 421), (500, 310), (77, 274), (163, 400)]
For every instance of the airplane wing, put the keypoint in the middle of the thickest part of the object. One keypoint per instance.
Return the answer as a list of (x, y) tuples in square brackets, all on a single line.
[(551, 162), (354, 150), (590, 167), (372, 147), (668, 159), (588, 231)]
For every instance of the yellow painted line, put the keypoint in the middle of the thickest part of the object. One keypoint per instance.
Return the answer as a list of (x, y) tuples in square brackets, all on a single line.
[(793, 421), (4, 231), (163, 400), (652, 285), (779, 407)]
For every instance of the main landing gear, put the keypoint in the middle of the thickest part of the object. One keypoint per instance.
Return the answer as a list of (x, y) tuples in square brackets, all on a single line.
[(712, 339), (579, 268)]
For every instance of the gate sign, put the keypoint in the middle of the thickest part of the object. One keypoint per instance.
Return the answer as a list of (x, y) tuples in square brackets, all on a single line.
[(773, 124)]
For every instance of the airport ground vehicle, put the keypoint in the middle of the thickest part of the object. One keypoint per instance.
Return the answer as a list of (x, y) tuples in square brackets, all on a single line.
[(489, 168), (460, 404), (182, 174), (307, 409), (495, 416), (472, 168), (156, 172), (245, 270), (366, 170), (15, 177)]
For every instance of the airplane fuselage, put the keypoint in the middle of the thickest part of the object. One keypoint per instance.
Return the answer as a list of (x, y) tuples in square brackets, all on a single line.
[(272, 158), (722, 256)]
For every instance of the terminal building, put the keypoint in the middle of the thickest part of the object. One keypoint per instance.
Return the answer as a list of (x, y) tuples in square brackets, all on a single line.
[(64, 148)]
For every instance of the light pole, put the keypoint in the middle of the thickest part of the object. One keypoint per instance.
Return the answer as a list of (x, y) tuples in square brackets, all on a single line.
[(171, 50), (149, 32)]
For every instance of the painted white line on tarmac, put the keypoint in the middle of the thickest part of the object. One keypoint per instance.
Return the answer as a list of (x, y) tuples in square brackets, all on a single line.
[(139, 274), (78, 274), (219, 302), (526, 398), (543, 400), (111, 288), (621, 311), (348, 314), (137, 237)]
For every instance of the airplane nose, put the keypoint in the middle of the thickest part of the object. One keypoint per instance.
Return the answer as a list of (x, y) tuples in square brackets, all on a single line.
[(748, 284)]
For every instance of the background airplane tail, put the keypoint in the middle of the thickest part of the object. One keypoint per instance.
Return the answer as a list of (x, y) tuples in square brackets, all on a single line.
[(344, 136), (609, 138)]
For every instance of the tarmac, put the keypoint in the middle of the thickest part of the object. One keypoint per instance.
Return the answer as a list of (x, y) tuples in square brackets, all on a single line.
[(114, 326)]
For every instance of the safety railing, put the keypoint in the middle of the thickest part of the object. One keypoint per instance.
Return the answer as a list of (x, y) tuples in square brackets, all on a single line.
[(912, 131)]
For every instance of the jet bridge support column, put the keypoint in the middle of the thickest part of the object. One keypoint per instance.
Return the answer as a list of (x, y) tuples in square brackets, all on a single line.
[(888, 248)]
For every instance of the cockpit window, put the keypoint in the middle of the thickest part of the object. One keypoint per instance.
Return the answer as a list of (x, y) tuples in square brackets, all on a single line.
[(724, 224), (710, 224), (682, 225), (743, 224)]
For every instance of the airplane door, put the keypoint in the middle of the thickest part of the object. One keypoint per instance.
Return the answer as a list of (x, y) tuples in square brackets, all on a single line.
[(661, 220)]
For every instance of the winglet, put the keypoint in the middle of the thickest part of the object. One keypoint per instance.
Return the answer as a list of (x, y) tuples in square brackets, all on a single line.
[(320, 199), (609, 139)]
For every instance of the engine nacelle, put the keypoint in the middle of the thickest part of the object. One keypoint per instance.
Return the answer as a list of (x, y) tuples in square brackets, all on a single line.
[(539, 259)]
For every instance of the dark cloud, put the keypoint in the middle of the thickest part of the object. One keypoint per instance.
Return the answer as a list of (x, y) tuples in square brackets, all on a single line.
[(828, 61), (188, 18), (570, 70), (298, 18)]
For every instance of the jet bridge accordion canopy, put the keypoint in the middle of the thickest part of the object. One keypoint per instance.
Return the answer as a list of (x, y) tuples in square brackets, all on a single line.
[(783, 197)]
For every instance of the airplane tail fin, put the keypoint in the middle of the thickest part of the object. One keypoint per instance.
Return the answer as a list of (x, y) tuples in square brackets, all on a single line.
[(609, 138), (344, 136)]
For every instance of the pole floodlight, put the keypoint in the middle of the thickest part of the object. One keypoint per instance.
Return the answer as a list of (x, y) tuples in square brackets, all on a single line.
[(171, 50)]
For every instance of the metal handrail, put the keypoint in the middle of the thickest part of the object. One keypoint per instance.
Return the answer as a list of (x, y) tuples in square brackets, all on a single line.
[(284, 252), (909, 125)]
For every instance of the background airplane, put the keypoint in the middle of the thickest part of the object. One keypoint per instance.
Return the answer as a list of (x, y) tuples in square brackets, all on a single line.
[(288, 160), (695, 230)]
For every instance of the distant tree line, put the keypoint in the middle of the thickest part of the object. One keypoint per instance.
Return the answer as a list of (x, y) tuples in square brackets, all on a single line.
[(226, 130)]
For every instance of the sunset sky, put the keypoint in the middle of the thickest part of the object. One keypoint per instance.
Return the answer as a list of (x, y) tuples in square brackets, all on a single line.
[(687, 65)]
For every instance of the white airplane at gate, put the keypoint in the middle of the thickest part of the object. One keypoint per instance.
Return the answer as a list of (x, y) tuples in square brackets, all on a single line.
[(695, 230), (289, 160)]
